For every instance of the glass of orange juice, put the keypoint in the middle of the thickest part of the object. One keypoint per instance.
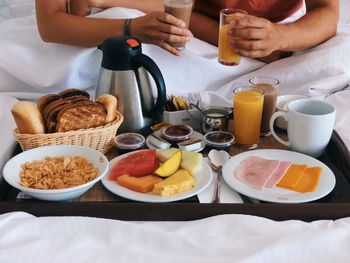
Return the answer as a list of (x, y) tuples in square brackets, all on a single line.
[(227, 54), (247, 112)]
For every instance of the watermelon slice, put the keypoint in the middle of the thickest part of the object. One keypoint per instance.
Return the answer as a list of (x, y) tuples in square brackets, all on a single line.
[(136, 164)]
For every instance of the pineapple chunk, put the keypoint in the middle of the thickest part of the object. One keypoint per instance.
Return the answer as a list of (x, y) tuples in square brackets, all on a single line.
[(179, 182)]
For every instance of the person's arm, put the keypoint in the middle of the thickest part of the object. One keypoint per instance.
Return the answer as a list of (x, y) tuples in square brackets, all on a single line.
[(204, 28), (145, 6), (260, 38), (55, 25)]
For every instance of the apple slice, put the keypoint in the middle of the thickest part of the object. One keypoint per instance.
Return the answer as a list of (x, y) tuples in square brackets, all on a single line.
[(170, 166)]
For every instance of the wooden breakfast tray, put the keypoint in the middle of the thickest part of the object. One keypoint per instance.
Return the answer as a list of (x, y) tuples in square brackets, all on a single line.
[(99, 202)]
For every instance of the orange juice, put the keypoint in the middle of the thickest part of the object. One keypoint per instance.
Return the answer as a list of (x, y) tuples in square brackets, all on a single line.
[(227, 55), (248, 106)]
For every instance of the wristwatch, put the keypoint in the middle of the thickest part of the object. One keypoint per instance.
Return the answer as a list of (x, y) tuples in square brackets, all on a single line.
[(127, 24)]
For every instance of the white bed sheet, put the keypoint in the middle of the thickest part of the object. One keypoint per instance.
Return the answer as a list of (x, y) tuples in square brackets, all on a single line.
[(225, 238)]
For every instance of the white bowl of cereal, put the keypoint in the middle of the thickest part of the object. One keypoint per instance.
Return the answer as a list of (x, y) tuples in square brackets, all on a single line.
[(56, 173)]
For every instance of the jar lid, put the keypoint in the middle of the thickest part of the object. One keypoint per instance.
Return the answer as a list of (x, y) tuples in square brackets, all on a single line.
[(177, 132), (129, 141), (219, 139)]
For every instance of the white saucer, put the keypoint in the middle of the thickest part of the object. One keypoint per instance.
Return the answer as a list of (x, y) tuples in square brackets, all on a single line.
[(194, 135)]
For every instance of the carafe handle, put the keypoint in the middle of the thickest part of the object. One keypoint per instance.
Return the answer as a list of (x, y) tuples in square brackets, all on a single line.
[(152, 68)]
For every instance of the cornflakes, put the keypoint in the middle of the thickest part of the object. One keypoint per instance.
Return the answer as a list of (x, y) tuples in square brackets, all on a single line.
[(57, 173)]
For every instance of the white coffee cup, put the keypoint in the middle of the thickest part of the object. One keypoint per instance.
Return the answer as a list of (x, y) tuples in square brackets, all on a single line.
[(310, 125)]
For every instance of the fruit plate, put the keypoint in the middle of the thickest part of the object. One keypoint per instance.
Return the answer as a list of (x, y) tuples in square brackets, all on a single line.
[(202, 181)]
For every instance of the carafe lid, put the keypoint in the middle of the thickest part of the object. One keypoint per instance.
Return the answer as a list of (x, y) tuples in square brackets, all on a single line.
[(118, 52)]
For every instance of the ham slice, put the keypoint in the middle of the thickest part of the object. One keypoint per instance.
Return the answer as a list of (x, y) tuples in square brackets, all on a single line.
[(278, 174), (255, 171)]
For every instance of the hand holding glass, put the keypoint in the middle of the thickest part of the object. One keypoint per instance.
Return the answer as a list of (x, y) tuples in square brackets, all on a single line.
[(181, 9)]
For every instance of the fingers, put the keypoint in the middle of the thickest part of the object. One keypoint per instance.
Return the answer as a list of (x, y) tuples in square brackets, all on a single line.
[(248, 44), (167, 47), (161, 29), (168, 28), (248, 33), (251, 53), (249, 21), (251, 49), (169, 19), (171, 38), (253, 37)]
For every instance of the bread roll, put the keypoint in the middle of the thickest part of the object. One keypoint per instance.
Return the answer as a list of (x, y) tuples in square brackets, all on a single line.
[(28, 118), (109, 102)]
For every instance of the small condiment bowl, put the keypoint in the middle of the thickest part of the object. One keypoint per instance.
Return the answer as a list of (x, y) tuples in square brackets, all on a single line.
[(219, 139), (215, 119), (13, 167), (127, 142), (177, 133)]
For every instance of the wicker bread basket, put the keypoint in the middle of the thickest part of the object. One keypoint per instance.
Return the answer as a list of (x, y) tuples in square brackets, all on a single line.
[(100, 138)]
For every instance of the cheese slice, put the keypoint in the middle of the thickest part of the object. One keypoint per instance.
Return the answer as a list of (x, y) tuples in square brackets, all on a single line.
[(309, 180), (174, 184), (293, 176)]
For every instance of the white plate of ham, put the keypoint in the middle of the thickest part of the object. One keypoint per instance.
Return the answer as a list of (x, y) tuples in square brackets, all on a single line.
[(264, 186)]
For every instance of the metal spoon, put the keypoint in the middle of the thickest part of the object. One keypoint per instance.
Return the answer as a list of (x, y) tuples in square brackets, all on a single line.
[(217, 160)]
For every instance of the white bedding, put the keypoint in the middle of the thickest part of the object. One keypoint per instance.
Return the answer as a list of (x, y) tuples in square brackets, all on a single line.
[(220, 239), (30, 68)]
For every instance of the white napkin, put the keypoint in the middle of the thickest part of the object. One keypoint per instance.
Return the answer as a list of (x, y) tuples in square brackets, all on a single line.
[(227, 194), (6, 129)]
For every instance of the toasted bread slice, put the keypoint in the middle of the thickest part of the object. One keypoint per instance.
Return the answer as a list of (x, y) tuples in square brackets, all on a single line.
[(81, 116), (52, 118), (44, 101), (73, 92)]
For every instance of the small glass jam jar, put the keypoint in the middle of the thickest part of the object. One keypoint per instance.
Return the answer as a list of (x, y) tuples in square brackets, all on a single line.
[(177, 133), (219, 140), (127, 142)]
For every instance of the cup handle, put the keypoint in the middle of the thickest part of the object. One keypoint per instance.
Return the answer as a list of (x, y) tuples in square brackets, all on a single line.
[(272, 121)]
